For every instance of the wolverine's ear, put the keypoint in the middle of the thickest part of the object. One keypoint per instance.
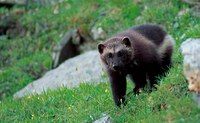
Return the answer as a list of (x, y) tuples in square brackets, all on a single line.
[(126, 41), (101, 48)]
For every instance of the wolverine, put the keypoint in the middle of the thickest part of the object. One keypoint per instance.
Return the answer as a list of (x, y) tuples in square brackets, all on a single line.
[(143, 52)]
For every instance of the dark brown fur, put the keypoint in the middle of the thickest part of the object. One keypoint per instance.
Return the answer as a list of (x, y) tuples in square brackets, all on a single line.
[(135, 52)]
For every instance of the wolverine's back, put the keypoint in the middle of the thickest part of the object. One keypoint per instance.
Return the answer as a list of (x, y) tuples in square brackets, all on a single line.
[(153, 32)]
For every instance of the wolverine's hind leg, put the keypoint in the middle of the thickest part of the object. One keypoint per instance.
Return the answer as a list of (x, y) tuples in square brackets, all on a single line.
[(154, 71), (166, 60)]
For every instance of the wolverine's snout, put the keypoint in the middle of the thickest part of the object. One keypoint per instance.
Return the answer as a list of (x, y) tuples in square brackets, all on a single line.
[(115, 67)]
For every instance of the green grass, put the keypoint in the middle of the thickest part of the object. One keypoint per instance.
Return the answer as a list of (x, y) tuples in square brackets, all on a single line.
[(24, 59)]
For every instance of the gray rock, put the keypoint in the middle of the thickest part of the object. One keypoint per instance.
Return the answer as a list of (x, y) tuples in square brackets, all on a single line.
[(67, 47), (190, 50), (81, 69), (98, 33), (42, 2), (14, 1), (191, 62), (184, 11), (196, 97), (26, 2), (196, 10), (192, 2), (196, 7), (105, 119)]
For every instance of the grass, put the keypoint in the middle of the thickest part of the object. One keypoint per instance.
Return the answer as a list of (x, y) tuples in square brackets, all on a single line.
[(26, 58)]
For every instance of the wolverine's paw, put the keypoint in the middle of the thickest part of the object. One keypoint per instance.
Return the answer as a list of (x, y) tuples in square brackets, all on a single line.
[(121, 102), (137, 90), (152, 88)]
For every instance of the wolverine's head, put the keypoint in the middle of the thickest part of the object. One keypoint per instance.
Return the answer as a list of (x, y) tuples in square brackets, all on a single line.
[(116, 52)]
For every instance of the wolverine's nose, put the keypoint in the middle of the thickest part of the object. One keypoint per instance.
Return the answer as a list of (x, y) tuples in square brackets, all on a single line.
[(115, 67)]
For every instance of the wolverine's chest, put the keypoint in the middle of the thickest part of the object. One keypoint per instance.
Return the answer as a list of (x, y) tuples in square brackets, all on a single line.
[(134, 66)]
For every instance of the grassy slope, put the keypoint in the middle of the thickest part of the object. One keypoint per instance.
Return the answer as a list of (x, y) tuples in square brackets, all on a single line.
[(23, 59), (171, 102)]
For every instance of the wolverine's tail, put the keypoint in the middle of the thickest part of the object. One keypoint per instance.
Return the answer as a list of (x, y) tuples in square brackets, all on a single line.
[(167, 46)]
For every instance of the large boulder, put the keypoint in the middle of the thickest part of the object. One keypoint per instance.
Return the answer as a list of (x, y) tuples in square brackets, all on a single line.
[(191, 62), (81, 69), (190, 50)]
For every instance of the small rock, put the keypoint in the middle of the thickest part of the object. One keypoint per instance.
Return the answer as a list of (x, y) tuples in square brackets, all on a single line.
[(184, 11), (196, 10), (196, 97), (196, 7), (138, 19), (137, 1), (105, 119), (56, 11), (98, 33), (43, 2), (182, 36), (192, 2)]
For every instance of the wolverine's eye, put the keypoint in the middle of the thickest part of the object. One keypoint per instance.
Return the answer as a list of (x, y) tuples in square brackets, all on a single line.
[(119, 54), (109, 55)]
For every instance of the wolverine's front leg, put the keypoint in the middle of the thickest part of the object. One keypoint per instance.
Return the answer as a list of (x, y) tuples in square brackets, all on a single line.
[(118, 86), (138, 76)]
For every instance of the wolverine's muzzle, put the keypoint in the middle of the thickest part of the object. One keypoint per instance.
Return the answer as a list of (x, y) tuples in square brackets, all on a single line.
[(115, 67)]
